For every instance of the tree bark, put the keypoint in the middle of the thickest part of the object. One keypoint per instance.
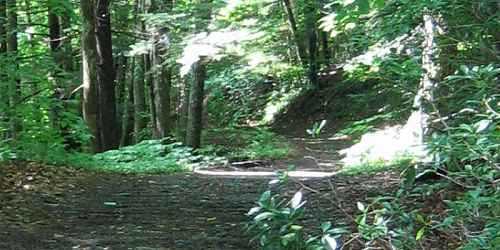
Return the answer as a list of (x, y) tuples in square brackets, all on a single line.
[(161, 89), (183, 109), (312, 43), (12, 50), (90, 85), (424, 100), (54, 30), (121, 85), (140, 121), (149, 78), (4, 87), (301, 51), (129, 120), (195, 115), (67, 49), (3, 27), (326, 53), (106, 77)]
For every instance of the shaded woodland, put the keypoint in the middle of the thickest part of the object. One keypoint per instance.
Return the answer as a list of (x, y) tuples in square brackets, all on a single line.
[(345, 124)]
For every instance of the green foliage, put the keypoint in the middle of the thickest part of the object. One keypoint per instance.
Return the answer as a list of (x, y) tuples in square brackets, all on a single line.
[(247, 143), (371, 167), (151, 156), (235, 96), (316, 129), (276, 225)]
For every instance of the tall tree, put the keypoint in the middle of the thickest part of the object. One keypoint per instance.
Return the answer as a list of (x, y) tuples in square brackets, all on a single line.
[(161, 88), (3, 26), (192, 95), (140, 121), (121, 86), (311, 28), (54, 32), (12, 50), (4, 88), (195, 115), (106, 77), (424, 100), (182, 120), (292, 23), (67, 49), (129, 116), (89, 66), (161, 82)]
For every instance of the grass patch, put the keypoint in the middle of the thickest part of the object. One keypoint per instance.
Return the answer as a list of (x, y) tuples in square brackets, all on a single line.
[(378, 166)]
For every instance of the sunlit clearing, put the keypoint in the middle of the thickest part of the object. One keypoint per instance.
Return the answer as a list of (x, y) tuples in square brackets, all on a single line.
[(388, 144), (212, 45)]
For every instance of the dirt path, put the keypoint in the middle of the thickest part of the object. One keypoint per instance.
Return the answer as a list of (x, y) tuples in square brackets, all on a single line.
[(59, 208)]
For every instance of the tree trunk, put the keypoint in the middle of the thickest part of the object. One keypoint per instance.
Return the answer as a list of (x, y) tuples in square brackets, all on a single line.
[(301, 51), (183, 109), (67, 49), (4, 87), (417, 128), (424, 100), (106, 77), (195, 114), (54, 31), (129, 120), (312, 43), (121, 84), (12, 50), (148, 76), (161, 90), (326, 54), (3, 27), (90, 84), (140, 121)]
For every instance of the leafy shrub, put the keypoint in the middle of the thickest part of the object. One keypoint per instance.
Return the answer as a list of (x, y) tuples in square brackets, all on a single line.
[(152, 156), (276, 225)]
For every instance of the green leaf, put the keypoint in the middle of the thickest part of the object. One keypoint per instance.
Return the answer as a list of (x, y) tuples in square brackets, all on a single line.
[(296, 200), (420, 233), (329, 242), (254, 211), (364, 6), (263, 216), (325, 226), (482, 126), (361, 207), (410, 175), (110, 204), (287, 238)]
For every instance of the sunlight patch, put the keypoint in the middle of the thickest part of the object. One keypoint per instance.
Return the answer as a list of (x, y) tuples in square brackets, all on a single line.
[(212, 45), (382, 50), (388, 144)]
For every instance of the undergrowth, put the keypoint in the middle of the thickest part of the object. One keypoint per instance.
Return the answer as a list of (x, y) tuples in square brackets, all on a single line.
[(247, 143), (371, 167)]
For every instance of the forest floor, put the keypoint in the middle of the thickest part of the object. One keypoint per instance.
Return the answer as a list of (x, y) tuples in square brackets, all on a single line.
[(43, 207)]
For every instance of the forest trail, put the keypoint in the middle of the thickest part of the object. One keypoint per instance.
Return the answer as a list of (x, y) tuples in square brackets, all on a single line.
[(59, 208)]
